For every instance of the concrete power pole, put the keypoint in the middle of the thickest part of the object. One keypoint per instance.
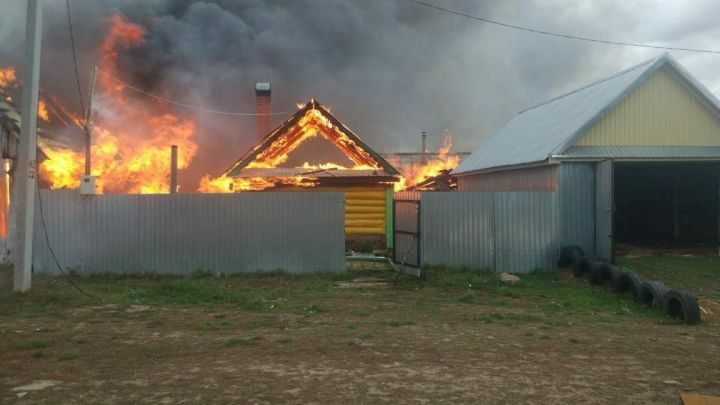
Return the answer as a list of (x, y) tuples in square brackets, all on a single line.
[(22, 205)]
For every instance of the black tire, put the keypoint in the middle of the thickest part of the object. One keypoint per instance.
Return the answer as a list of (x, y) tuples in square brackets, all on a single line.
[(628, 282), (615, 273), (585, 265), (599, 275), (652, 294), (682, 304), (569, 255)]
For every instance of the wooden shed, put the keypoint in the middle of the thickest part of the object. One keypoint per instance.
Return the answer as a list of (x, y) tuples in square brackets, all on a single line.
[(367, 181)]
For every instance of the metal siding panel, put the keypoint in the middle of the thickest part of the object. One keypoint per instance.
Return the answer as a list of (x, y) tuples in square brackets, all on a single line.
[(508, 231), (528, 232), (663, 111), (632, 152), (231, 233), (576, 193), (457, 229), (541, 178), (604, 209)]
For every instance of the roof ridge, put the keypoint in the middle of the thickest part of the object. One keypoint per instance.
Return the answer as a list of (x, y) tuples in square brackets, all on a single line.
[(613, 76)]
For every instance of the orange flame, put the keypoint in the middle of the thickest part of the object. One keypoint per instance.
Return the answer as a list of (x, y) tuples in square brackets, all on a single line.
[(312, 124), (7, 76), (419, 172), (131, 138), (42, 110)]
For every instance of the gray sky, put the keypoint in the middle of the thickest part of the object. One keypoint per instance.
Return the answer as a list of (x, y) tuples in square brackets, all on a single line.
[(388, 68)]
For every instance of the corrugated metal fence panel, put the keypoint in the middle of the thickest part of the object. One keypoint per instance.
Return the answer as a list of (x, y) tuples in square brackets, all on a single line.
[(406, 220), (541, 178), (457, 229), (576, 189), (228, 233), (527, 231)]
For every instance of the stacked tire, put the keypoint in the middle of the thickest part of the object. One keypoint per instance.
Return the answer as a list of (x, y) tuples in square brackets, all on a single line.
[(675, 303)]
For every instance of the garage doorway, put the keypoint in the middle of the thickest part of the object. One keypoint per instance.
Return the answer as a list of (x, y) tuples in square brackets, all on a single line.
[(666, 206)]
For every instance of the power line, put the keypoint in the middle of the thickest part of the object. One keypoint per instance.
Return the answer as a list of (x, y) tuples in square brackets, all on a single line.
[(554, 34), (52, 252), (72, 43), (192, 107)]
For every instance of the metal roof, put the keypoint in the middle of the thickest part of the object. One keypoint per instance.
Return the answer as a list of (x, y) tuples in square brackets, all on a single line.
[(549, 129), (640, 152)]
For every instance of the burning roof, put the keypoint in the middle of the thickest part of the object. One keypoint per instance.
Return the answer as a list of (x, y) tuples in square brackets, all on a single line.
[(260, 167)]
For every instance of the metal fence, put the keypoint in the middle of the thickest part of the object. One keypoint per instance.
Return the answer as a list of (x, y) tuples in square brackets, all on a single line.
[(181, 233), (503, 231)]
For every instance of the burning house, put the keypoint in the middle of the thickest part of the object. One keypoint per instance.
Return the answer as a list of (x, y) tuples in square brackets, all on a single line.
[(366, 179)]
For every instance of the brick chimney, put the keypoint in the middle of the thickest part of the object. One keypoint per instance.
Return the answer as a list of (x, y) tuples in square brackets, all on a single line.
[(263, 107)]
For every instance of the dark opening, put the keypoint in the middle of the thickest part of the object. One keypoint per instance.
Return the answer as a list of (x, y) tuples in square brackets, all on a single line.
[(668, 204)]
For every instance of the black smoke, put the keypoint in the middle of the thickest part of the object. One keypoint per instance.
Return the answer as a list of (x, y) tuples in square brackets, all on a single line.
[(388, 68)]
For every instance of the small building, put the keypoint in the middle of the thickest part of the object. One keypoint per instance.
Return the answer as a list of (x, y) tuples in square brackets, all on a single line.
[(360, 173), (634, 159)]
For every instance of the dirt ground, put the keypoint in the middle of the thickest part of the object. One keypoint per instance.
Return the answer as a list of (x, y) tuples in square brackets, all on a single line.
[(320, 340)]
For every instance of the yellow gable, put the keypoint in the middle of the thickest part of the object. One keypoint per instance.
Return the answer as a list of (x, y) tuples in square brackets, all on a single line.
[(663, 111)]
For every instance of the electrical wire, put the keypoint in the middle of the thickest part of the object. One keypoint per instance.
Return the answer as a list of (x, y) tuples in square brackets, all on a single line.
[(52, 252), (554, 34), (192, 107), (72, 43)]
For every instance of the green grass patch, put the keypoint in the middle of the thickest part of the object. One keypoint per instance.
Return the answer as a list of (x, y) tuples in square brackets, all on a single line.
[(33, 344), (37, 355), (313, 309), (285, 340), (701, 275), (191, 292), (366, 335), (468, 298), (64, 356), (242, 341)]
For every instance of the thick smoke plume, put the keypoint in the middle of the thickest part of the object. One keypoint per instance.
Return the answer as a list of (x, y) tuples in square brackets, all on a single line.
[(389, 69)]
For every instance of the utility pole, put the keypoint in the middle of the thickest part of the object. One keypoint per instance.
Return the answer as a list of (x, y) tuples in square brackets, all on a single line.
[(173, 169), (22, 206), (88, 123)]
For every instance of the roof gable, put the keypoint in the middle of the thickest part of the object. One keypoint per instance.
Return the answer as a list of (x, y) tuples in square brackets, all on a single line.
[(551, 128), (311, 119)]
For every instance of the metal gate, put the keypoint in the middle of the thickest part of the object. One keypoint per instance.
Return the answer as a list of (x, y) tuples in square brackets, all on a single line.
[(406, 237)]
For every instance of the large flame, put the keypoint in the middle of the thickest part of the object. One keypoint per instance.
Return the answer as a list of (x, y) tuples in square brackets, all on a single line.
[(7, 76), (420, 172), (312, 124), (131, 137)]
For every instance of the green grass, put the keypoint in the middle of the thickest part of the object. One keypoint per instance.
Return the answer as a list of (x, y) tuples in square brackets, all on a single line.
[(542, 287), (33, 344), (313, 309), (701, 275), (37, 355), (64, 356)]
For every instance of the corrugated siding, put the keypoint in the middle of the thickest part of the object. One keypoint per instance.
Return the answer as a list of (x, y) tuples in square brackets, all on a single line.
[(541, 178), (527, 231), (663, 111), (458, 229), (576, 191), (641, 152), (506, 231), (176, 234)]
